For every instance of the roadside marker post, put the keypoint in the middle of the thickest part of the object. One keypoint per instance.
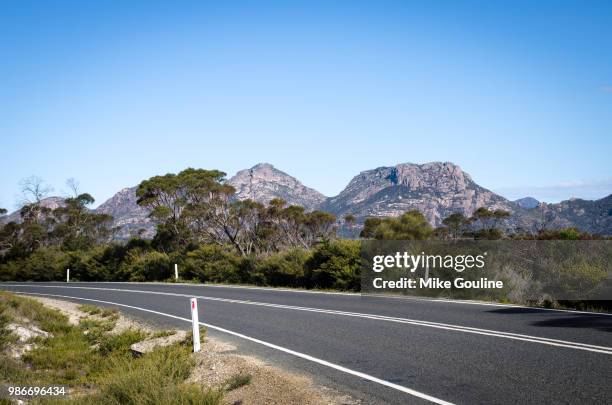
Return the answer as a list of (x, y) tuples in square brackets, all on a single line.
[(195, 325), (175, 271), (67, 275)]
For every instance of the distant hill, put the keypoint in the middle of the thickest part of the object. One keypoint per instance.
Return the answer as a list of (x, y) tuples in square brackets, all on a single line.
[(263, 182), (437, 189), (527, 202), (129, 217), (49, 202), (591, 216)]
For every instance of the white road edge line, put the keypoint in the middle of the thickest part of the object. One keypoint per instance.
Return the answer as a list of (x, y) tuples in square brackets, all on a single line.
[(437, 325), (272, 346), (359, 295)]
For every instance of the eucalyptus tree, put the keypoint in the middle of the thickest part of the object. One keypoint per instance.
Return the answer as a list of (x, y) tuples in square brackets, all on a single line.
[(412, 225), (487, 219), (198, 206), (78, 228), (455, 222)]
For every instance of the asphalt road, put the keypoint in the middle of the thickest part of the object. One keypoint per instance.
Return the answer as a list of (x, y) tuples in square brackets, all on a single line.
[(388, 350)]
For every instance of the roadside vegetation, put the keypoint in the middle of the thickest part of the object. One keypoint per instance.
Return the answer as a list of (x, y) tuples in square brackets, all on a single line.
[(98, 366), (215, 238)]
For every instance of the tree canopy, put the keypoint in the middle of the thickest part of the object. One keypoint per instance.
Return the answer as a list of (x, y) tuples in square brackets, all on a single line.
[(412, 225), (198, 206)]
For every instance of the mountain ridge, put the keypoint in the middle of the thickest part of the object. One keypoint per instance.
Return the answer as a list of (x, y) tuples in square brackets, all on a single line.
[(527, 202), (263, 182), (437, 189)]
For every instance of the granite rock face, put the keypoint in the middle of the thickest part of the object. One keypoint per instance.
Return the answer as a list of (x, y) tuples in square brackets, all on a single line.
[(130, 218), (591, 216), (263, 182), (48, 202), (527, 202), (436, 189)]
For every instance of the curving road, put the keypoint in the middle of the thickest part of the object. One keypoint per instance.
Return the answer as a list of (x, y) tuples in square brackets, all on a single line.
[(387, 350)]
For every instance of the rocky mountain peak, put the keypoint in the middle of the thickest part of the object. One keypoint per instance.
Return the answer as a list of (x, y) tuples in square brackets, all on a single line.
[(129, 217), (48, 202), (437, 189), (263, 182), (527, 202), (263, 167), (445, 176)]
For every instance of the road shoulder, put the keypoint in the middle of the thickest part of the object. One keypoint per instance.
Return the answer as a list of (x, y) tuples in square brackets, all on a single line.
[(218, 363)]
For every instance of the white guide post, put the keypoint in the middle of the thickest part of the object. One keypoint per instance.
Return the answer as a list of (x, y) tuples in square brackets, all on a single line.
[(195, 325), (67, 275), (175, 271)]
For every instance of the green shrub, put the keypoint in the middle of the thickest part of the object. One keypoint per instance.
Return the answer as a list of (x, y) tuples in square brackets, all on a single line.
[(237, 381), (94, 310), (286, 269), (570, 234), (87, 265), (96, 329), (336, 264), (250, 272), (46, 318), (5, 334), (90, 309), (155, 378), (9, 271), (212, 263), (45, 264), (65, 358), (147, 266), (109, 371), (188, 342), (120, 343)]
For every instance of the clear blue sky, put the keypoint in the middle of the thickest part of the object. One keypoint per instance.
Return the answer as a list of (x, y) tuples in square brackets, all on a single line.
[(519, 94)]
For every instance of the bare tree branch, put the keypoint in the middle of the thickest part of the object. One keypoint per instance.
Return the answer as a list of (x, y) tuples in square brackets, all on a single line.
[(73, 187), (33, 190)]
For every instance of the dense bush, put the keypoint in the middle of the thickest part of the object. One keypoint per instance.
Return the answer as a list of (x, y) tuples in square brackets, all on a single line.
[(212, 263), (87, 265), (331, 264), (284, 269), (335, 264), (146, 266), (44, 264), (275, 245)]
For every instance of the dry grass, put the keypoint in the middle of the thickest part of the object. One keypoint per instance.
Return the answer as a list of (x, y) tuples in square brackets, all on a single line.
[(109, 373), (97, 365)]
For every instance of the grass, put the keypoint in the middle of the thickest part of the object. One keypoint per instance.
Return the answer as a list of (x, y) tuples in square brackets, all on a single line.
[(163, 333), (46, 319), (102, 312), (96, 364), (237, 381), (155, 378), (90, 309), (188, 342), (6, 336), (96, 329), (120, 343), (63, 359)]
